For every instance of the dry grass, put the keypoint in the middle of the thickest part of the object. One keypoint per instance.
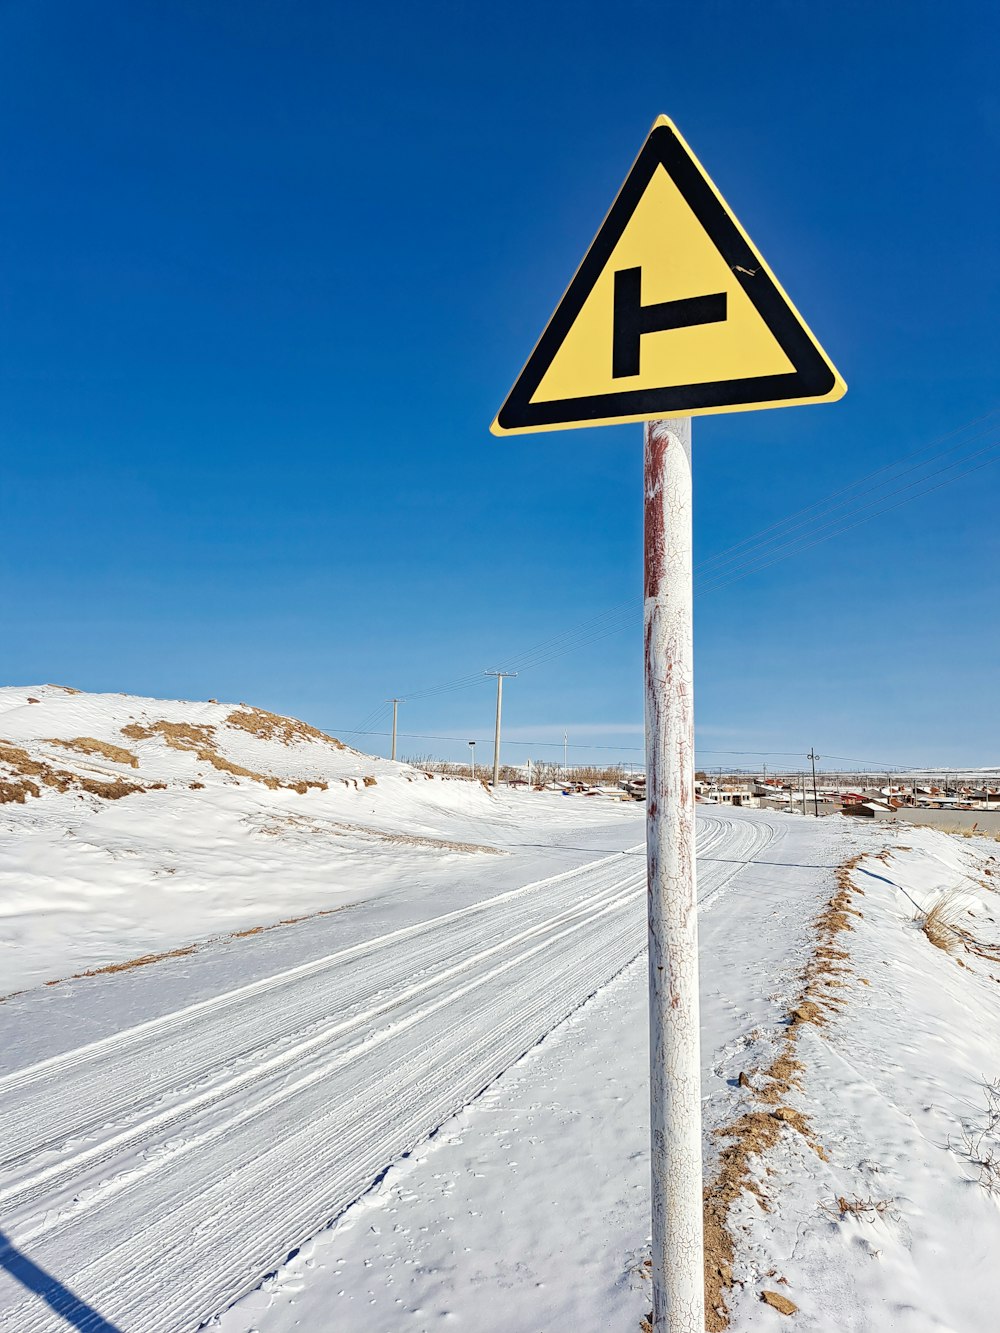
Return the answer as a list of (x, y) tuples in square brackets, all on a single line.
[(90, 745), (865, 1209), (146, 959), (128, 965), (939, 922), (279, 824), (778, 1302), (18, 791), (24, 766), (114, 791), (199, 739), (273, 727), (59, 779), (285, 921), (178, 735), (750, 1136)]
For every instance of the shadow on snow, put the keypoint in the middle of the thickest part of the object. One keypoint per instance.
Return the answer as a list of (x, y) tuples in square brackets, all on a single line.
[(78, 1314)]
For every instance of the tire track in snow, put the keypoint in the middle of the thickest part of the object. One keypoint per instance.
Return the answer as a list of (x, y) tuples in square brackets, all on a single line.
[(235, 1129)]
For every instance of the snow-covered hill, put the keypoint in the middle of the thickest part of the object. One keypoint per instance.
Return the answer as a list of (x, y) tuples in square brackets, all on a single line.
[(131, 826)]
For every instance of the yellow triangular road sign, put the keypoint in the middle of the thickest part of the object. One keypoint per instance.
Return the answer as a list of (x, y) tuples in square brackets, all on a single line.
[(673, 312)]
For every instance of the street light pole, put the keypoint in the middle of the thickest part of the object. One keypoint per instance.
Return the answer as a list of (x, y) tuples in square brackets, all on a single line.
[(814, 756)]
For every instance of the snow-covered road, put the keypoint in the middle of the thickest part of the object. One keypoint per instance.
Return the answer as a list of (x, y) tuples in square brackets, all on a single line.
[(159, 1173)]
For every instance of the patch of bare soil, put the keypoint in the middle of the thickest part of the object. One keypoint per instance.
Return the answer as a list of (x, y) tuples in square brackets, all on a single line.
[(90, 745), (750, 1136), (199, 740), (273, 727)]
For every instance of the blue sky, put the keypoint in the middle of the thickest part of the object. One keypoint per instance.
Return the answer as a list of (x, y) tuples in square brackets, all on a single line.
[(269, 270)]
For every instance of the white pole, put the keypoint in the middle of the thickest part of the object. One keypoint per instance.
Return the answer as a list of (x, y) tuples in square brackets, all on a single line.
[(395, 708), (496, 737), (675, 1057)]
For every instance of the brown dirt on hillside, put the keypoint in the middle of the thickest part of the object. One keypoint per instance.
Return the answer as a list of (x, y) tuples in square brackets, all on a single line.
[(752, 1134), (273, 727), (199, 739), (90, 745)]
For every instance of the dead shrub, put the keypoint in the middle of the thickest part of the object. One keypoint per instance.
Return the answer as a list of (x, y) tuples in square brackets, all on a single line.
[(981, 1142), (865, 1209), (940, 920)]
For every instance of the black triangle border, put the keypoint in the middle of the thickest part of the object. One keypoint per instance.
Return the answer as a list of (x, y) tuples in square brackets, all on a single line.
[(812, 377)]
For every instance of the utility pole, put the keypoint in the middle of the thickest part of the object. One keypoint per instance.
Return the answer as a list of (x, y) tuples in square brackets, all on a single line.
[(565, 753), (473, 745), (496, 736), (395, 709), (814, 756)]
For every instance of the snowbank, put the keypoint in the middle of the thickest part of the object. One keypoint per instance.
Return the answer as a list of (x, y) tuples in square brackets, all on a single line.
[(133, 826)]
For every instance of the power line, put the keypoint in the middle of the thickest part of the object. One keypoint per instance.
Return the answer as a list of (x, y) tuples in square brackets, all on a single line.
[(771, 552), (799, 547), (795, 520), (820, 520), (880, 765)]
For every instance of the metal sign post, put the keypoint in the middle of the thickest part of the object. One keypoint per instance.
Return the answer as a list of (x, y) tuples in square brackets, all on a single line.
[(673, 313), (674, 1041)]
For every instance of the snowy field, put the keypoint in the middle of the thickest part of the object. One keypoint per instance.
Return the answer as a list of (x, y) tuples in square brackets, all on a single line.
[(391, 1073)]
